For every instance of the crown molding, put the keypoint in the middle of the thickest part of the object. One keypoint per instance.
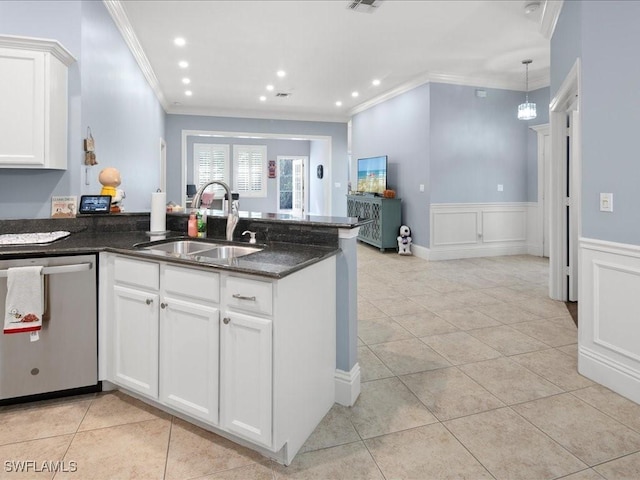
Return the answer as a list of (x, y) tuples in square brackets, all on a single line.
[(53, 47), (259, 114), (549, 18), (540, 80), (115, 9)]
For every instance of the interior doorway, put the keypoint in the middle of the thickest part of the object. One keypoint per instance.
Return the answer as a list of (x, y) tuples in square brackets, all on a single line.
[(292, 194), (565, 191), (544, 184)]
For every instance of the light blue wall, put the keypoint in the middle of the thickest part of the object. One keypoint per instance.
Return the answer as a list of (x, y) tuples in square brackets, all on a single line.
[(125, 117), (566, 43), (399, 128), (275, 147), (106, 91), (318, 152), (27, 193), (610, 119), (337, 131), (476, 144)]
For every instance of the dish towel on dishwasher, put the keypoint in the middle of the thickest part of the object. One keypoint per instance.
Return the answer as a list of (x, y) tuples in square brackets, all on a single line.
[(24, 300)]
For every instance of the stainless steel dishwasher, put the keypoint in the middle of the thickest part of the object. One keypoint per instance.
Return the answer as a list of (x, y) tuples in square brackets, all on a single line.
[(64, 360)]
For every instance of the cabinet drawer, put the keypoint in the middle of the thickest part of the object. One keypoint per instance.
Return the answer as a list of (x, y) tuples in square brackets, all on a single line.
[(249, 295), (197, 284), (137, 272)]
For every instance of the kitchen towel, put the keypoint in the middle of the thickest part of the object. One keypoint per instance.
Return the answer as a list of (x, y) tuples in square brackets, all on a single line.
[(158, 212), (24, 306)]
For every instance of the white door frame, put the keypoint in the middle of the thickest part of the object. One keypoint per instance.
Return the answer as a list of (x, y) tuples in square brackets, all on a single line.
[(567, 98), (544, 164), (305, 168)]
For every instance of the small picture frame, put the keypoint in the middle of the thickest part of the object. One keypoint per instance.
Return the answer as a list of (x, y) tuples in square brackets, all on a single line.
[(90, 204), (272, 169), (64, 207)]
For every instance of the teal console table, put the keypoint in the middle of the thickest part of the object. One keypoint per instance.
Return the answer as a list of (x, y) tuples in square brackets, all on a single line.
[(386, 215)]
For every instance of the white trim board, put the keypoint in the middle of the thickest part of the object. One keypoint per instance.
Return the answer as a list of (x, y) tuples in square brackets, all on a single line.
[(464, 230), (347, 386), (608, 328)]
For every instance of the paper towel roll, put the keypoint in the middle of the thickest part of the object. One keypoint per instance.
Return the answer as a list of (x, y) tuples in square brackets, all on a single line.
[(158, 212)]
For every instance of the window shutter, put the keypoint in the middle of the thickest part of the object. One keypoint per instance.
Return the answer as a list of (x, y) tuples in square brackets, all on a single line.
[(250, 170), (211, 162)]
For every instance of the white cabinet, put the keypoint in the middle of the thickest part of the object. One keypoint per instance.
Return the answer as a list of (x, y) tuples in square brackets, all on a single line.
[(252, 358), (164, 326), (189, 341), (33, 95), (135, 336), (245, 376)]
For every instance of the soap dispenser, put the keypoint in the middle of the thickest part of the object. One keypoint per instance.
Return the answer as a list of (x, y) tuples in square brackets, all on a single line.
[(252, 239), (192, 228)]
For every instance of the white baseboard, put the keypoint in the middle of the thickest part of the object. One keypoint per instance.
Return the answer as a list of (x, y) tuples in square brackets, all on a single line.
[(611, 374), (609, 352), (535, 250), (479, 251), (421, 252), (347, 386)]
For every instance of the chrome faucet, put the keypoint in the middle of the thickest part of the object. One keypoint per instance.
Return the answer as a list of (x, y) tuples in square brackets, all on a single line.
[(232, 207)]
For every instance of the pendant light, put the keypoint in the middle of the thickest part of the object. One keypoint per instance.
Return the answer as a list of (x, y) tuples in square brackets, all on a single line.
[(526, 110)]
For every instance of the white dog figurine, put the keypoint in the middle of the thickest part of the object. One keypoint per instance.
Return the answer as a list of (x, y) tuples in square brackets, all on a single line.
[(404, 241)]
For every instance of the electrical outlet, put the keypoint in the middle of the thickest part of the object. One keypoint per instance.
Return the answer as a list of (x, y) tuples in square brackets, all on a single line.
[(422, 187), (500, 188), (606, 202)]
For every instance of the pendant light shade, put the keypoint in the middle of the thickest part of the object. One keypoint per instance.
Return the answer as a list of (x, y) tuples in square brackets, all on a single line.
[(526, 110)]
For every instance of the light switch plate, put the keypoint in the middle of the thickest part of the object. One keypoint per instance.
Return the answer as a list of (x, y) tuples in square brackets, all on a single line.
[(500, 188), (422, 187), (606, 202)]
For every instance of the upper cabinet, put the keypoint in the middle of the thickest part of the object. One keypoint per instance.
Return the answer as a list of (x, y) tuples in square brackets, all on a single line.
[(33, 103)]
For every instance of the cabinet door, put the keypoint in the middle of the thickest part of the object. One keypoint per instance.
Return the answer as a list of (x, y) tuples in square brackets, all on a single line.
[(246, 376), (135, 340), (22, 116), (189, 339)]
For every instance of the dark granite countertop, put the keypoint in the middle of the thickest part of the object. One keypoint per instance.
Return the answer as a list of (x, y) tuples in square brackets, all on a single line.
[(276, 260)]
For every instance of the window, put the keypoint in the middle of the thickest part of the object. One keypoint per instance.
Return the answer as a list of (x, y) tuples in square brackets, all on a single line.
[(211, 162), (250, 170)]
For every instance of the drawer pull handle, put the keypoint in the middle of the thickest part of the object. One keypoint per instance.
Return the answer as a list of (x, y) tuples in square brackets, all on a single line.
[(243, 297), (164, 305), (226, 320), (148, 301)]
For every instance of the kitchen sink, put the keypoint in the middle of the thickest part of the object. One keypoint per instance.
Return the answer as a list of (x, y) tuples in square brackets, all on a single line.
[(194, 249), (228, 251), (181, 247)]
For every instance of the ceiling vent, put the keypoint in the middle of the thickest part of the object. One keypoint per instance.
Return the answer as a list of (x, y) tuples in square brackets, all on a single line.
[(283, 95), (364, 6)]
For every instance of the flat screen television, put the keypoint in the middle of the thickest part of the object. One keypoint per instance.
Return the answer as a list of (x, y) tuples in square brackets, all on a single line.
[(372, 175)]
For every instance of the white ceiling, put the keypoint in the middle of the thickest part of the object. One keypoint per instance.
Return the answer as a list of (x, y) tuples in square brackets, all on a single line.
[(234, 49)]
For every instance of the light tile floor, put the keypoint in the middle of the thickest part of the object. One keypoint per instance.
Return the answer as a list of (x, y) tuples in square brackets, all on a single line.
[(468, 372)]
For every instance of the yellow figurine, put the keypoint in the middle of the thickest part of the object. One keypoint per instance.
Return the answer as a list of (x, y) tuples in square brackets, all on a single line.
[(110, 179)]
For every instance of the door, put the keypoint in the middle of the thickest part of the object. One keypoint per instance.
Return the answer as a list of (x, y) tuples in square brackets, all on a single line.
[(572, 209), (189, 357), (135, 340), (297, 208), (245, 376)]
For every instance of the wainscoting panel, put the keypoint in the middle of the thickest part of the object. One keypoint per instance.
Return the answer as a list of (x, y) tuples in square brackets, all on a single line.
[(609, 324), (504, 226), (464, 230), (455, 228)]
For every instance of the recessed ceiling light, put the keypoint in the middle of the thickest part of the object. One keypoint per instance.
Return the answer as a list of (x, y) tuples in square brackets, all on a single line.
[(270, 88), (188, 93), (179, 41), (186, 81), (263, 98), (338, 103), (281, 73), (183, 64), (354, 94), (375, 82)]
